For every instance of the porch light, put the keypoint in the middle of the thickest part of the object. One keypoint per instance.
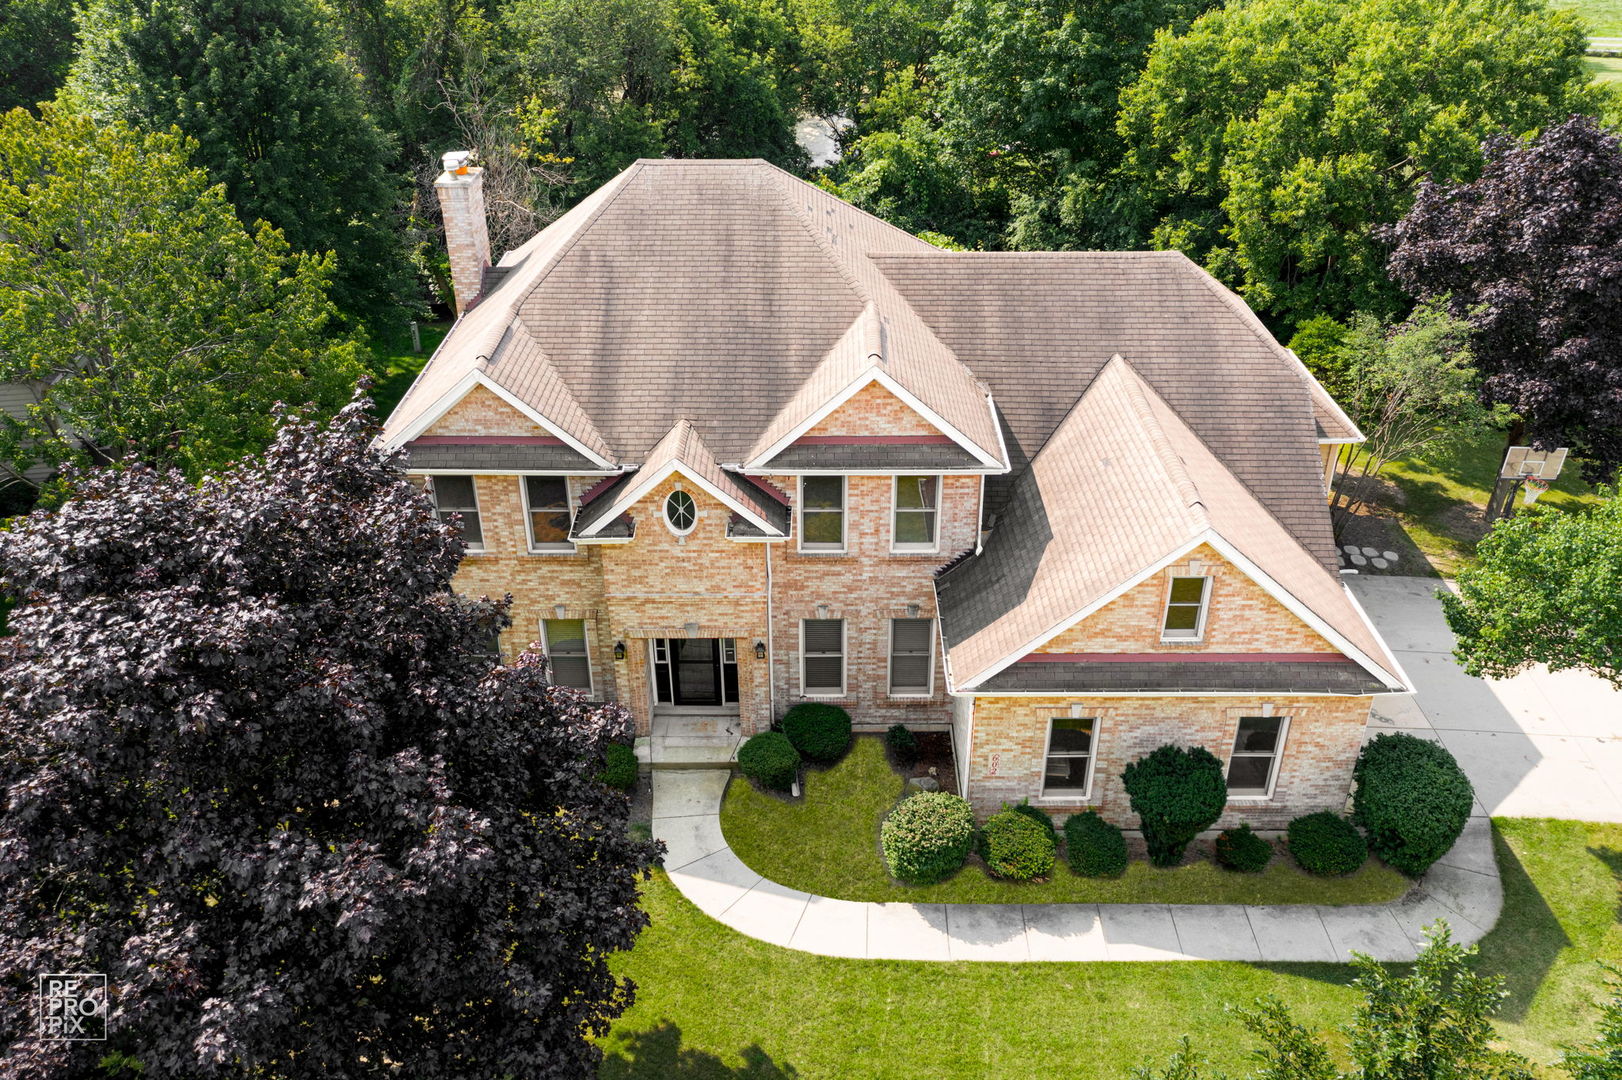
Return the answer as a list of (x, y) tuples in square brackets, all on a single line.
[(619, 650), (760, 650)]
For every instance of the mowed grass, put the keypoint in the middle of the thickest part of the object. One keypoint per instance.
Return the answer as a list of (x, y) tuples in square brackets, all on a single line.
[(713, 1004), (1605, 69), (828, 844), (394, 365), (1603, 18)]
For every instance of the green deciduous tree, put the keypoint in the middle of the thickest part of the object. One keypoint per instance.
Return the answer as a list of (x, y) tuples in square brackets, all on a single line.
[(277, 118), (1547, 589), (146, 319), (36, 46), (1272, 138)]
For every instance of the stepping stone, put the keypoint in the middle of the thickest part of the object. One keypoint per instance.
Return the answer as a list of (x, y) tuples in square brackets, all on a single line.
[(1379, 563), (1358, 560), (1390, 556), (1371, 551), (1351, 549)]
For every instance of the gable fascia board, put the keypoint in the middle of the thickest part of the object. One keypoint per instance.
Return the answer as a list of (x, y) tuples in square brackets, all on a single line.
[(907, 397), (1340, 413), (1071, 620), (1306, 614), (640, 487), (464, 386)]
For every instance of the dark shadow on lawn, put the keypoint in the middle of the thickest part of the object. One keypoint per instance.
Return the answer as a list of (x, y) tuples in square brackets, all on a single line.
[(1612, 858), (658, 1055)]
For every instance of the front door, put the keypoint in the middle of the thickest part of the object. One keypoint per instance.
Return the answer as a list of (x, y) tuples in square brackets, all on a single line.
[(695, 671)]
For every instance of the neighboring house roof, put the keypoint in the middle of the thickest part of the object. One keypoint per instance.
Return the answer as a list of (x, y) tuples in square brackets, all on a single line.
[(1122, 488)]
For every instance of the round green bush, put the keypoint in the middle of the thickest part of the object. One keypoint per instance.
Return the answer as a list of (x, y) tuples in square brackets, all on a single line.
[(927, 837), (1242, 850), (1016, 846), (1326, 844), (819, 732), (770, 760), (1177, 793), (903, 746), (1094, 847), (1412, 798), (1038, 815), (619, 767)]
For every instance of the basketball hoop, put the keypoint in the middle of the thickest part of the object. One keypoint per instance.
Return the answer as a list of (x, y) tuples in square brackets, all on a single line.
[(1525, 469), (1534, 486)]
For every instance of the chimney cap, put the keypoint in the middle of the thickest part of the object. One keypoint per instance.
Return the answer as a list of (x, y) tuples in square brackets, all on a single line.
[(455, 160)]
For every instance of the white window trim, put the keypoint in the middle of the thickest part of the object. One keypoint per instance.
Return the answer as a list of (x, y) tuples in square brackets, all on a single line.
[(1205, 610), (529, 535), (1277, 755), (1069, 795), (473, 482), (889, 664), (895, 510), (844, 519), (664, 512), (844, 661), (585, 634)]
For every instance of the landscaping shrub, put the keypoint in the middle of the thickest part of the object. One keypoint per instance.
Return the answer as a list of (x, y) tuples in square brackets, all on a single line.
[(1242, 850), (770, 760), (1413, 799), (819, 732), (1038, 815), (1017, 846), (1326, 844), (1094, 847), (1177, 793), (903, 746), (619, 767), (927, 837)]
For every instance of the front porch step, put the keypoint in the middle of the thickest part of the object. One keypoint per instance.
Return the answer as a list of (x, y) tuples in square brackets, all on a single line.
[(687, 751)]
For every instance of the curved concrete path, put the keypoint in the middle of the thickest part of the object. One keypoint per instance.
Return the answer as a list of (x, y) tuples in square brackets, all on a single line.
[(1462, 888)]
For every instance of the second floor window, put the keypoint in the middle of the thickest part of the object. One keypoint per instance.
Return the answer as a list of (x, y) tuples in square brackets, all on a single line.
[(546, 501), (822, 513), (822, 657), (917, 506), (455, 495), (1185, 609)]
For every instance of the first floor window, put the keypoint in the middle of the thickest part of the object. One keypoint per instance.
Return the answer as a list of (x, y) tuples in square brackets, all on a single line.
[(917, 500), (1070, 756), (822, 513), (1185, 608), (910, 655), (455, 495), (1254, 764), (565, 641), (546, 498), (822, 656)]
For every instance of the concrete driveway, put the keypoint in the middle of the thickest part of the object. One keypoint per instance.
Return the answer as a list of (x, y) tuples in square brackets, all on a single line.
[(1539, 745)]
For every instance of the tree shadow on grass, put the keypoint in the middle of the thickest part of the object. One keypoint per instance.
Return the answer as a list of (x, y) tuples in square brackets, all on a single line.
[(658, 1054), (1612, 858), (1527, 940)]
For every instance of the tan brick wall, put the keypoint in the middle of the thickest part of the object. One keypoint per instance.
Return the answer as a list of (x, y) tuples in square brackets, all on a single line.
[(481, 412), (1313, 773), (467, 237), (873, 410), (1242, 617)]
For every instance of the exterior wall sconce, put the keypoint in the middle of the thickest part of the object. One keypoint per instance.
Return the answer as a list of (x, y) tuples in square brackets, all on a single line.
[(760, 650), (619, 650)]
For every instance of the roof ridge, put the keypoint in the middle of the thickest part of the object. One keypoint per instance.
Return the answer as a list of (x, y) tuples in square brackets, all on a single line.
[(825, 246), (1137, 392), (616, 187)]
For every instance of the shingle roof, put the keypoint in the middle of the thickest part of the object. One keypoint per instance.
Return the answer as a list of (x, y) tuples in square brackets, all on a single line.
[(496, 457), (1256, 676)]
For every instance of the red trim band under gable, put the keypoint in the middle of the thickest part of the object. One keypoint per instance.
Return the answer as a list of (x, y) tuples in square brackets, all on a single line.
[(486, 440), (1181, 658), (872, 440)]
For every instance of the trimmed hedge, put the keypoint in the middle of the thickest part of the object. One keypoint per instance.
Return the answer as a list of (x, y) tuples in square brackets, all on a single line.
[(1177, 794), (1326, 844), (770, 760), (927, 837), (619, 767), (819, 732), (1242, 850), (1017, 846), (903, 746), (1038, 815), (1413, 799), (1094, 847)]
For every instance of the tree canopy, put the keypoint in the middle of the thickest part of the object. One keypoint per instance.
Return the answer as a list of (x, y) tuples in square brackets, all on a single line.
[(37, 39), (146, 320), (1531, 254), (264, 773)]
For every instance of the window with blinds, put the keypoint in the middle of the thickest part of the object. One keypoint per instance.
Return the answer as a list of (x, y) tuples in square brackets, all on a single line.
[(911, 667), (455, 495), (565, 641), (822, 657)]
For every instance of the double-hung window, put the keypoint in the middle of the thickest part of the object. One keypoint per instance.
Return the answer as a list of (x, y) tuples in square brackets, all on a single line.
[(1070, 756), (546, 509), (822, 657), (822, 513), (917, 508), (911, 657), (565, 642), (1185, 609), (455, 495), (1254, 765)]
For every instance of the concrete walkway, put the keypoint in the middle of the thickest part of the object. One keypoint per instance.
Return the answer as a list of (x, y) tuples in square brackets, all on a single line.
[(1462, 888)]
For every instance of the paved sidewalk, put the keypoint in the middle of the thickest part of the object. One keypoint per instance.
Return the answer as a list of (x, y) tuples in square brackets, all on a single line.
[(1462, 888)]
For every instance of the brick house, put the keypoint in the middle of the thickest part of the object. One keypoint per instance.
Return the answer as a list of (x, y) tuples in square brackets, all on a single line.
[(732, 444)]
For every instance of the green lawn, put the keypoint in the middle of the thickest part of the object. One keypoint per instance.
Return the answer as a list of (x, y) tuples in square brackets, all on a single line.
[(828, 844), (1605, 69), (394, 365), (713, 1004), (1603, 17)]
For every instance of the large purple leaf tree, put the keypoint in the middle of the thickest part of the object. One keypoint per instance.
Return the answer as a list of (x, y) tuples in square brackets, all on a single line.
[(261, 769), (1531, 255)]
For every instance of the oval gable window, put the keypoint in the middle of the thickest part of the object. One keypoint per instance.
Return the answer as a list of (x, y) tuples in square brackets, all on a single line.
[(681, 513)]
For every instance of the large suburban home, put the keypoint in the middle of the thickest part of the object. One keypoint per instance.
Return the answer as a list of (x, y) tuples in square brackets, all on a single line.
[(732, 444)]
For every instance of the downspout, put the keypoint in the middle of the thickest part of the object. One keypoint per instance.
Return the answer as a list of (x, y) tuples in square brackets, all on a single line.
[(771, 651), (980, 517)]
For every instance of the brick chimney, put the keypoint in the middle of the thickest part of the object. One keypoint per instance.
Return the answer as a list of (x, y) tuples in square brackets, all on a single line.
[(467, 237)]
